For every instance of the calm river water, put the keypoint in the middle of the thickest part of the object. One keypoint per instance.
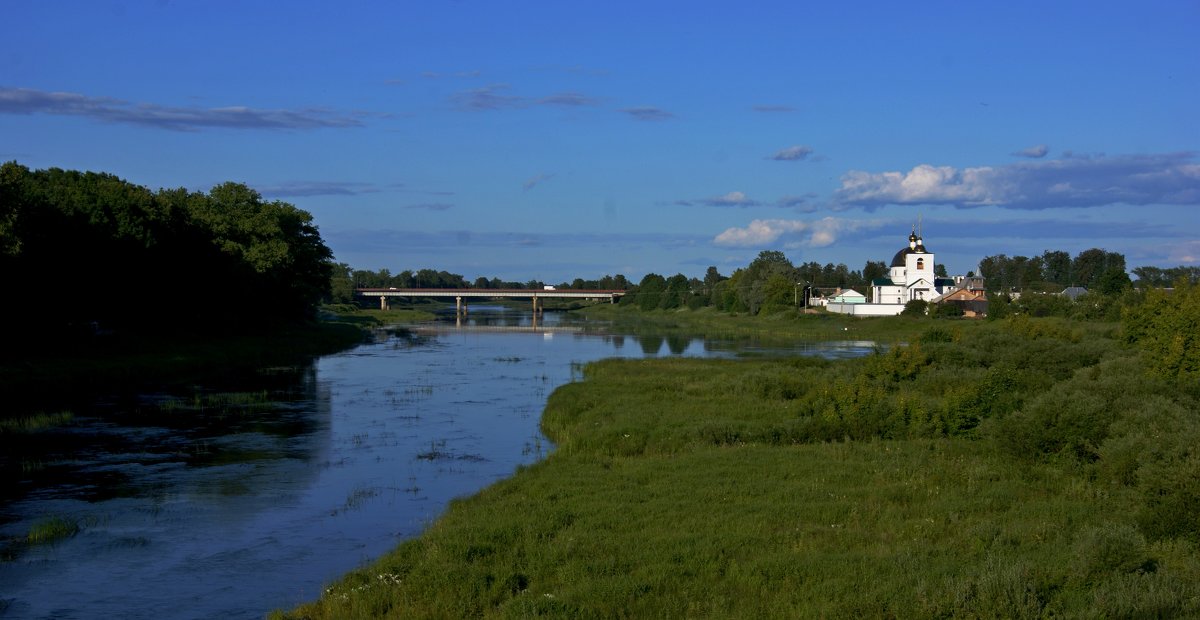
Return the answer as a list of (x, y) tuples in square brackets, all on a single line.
[(228, 501)]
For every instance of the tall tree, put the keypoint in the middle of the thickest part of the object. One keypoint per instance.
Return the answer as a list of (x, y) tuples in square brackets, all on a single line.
[(874, 269), (711, 278), (676, 293), (650, 291), (1113, 281), (1090, 264), (341, 284), (994, 270), (13, 178), (1056, 267), (752, 288)]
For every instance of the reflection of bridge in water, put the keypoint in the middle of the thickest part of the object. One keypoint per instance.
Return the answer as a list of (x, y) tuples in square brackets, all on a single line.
[(535, 328), (461, 294)]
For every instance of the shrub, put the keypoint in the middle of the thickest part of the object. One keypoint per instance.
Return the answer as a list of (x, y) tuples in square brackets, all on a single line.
[(1171, 498), (1110, 548), (1152, 429), (915, 308), (938, 334), (900, 363), (1071, 422), (946, 310), (1166, 327)]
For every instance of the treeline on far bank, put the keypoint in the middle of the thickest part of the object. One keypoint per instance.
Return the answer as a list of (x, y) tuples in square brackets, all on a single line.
[(768, 283), (346, 279), (87, 254), (1017, 285), (771, 283)]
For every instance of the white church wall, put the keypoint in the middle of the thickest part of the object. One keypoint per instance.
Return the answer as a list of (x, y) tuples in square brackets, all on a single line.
[(867, 309)]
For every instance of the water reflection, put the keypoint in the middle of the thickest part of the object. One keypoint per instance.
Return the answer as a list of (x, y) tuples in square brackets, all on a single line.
[(169, 490), (232, 499), (651, 345)]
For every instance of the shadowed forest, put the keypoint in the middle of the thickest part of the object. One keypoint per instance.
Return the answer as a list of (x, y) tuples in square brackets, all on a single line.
[(94, 253)]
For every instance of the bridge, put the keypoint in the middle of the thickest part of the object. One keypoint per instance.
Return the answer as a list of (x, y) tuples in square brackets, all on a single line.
[(461, 294)]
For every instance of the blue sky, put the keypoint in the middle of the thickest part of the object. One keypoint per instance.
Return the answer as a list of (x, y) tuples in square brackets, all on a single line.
[(554, 140)]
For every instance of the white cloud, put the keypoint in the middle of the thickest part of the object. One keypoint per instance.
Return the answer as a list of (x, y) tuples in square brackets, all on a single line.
[(732, 199), (1170, 178), (813, 233)]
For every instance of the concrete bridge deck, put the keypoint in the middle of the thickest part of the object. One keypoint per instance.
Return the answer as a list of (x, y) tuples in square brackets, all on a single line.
[(460, 294)]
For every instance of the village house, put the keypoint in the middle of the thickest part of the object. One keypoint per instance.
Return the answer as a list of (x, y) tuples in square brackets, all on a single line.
[(968, 294), (848, 296), (1073, 292)]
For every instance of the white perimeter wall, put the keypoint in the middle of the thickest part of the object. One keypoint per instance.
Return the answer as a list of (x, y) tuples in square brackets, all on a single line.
[(867, 309)]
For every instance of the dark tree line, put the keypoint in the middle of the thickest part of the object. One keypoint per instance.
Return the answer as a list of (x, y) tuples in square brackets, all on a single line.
[(769, 283), (1171, 276), (1055, 270), (345, 279), (87, 251)]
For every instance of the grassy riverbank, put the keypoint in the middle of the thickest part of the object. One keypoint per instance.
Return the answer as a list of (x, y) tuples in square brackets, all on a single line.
[(1012, 469), (783, 326)]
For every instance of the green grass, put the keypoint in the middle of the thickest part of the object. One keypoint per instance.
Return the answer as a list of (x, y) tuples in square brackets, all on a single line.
[(991, 472), (368, 318), (788, 325)]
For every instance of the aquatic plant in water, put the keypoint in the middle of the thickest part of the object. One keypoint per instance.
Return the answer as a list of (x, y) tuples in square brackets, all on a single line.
[(51, 530), (34, 423)]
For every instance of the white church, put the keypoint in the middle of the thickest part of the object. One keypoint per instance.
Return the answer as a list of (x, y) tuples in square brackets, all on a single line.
[(910, 277)]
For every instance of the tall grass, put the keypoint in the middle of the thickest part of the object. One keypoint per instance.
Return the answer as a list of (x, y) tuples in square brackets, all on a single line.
[(992, 472), (788, 325)]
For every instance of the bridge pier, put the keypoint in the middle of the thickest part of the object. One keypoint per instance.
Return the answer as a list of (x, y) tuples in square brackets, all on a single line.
[(383, 303), (537, 305)]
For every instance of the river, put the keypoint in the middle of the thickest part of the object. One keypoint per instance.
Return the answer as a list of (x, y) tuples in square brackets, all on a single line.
[(230, 500)]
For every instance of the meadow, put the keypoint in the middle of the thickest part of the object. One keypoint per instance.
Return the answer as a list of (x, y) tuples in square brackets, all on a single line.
[(1016, 468)]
